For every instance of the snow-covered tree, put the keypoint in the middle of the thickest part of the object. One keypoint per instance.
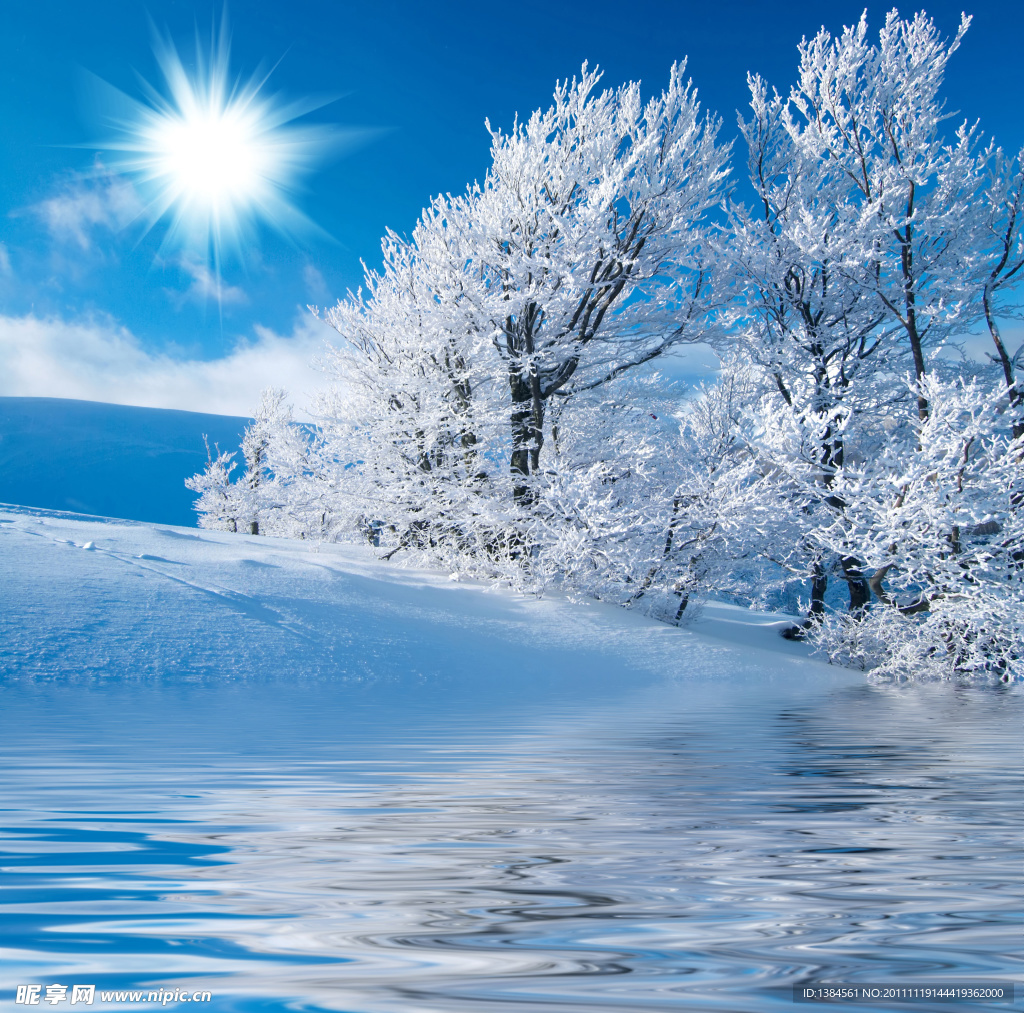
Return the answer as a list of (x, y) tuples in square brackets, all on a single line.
[(217, 505), (941, 515), (873, 241), (278, 492), (876, 114), (411, 415), (807, 321), (589, 243), (1002, 267), (583, 255), (726, 529)]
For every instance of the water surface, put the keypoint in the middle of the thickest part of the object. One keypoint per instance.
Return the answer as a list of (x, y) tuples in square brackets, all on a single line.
[(535, 845)]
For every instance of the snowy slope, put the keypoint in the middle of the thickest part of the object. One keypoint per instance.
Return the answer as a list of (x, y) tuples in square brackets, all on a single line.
[(91, 598), (105, 459)]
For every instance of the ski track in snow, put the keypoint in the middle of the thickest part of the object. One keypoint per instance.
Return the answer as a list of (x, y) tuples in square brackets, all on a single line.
[(100, 597), (242, 603)]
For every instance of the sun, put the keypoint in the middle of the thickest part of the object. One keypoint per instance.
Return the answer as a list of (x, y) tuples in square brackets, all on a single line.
[(212, 159), (215, 157)]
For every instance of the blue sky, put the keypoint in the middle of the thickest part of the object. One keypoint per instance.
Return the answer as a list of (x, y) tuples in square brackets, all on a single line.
[(91, 307)]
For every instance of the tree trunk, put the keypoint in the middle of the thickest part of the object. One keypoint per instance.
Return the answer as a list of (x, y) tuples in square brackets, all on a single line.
[(819, 585), (527, 434), (860, 590), (910, 279)]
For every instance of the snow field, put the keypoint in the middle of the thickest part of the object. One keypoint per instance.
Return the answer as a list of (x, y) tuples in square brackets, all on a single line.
[(89, 598)]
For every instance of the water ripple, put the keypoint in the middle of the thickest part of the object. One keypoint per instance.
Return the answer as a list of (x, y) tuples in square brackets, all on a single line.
[(681, 846)]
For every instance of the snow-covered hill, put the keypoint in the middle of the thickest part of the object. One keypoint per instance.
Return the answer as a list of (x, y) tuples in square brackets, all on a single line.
[(106, 459), (152, 595), (84, 598)]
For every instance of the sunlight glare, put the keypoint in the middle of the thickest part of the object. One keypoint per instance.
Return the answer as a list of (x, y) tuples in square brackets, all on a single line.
[(213, 156)]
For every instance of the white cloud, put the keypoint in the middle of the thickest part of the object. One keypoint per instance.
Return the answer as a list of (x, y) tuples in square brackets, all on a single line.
[(207, 286), (107, 201), (100, 361), (316, 286)]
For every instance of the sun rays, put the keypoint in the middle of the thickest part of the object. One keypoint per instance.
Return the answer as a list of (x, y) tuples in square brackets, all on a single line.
[(214, 156)]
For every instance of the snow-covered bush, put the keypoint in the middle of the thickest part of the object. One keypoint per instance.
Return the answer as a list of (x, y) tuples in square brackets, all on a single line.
[(939, 518)]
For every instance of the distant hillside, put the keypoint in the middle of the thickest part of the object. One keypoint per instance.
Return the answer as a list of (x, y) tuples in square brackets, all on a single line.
[(106, 459)]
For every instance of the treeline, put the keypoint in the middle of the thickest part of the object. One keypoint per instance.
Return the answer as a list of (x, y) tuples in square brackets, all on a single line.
[(493, 405)]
